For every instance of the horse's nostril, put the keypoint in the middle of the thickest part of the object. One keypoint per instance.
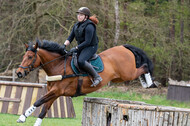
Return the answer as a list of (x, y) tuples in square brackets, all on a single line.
[(19, 74)]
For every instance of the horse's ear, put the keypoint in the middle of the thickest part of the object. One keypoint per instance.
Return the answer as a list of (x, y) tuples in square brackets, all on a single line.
[(39, 42), (26, 45), (36, 45)]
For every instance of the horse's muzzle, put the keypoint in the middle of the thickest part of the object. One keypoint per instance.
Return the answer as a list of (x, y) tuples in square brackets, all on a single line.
[(19, 74)]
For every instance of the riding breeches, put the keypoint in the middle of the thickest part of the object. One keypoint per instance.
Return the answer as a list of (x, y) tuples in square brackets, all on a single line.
[(85, 54)]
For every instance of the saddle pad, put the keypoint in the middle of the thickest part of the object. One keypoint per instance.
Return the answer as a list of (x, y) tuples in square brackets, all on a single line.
[(96, 63)]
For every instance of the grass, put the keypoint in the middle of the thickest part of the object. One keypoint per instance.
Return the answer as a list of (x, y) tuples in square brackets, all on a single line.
[(10, 120)]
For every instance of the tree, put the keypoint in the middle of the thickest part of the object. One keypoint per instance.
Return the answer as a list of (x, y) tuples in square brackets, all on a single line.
[(117, 23)]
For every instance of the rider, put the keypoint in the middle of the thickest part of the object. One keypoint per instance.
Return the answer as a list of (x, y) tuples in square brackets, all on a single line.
[(84, 31)]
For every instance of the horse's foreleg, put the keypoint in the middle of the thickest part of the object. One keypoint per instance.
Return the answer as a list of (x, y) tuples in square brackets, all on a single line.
[(27, 113), (45, 108), (38, 103)]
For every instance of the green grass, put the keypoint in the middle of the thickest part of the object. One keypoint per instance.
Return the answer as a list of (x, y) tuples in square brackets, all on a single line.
[(10, 120)]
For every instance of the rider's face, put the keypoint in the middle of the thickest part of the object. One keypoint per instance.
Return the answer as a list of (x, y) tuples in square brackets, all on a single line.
[(80, 17)]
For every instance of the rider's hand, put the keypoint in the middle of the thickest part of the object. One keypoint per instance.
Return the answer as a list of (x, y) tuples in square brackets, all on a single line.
[(62, 49), (74, 49)]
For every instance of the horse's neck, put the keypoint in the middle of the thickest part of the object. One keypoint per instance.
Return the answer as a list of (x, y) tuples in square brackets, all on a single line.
[(48, 59)]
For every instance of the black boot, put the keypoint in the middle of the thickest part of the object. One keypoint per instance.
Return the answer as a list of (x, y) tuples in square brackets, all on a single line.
[(89, 69)]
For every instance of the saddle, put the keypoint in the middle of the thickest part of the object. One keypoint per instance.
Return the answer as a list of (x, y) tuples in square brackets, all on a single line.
[(95, 61)]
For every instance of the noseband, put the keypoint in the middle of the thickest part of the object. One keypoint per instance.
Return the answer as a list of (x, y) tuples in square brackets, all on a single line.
[(31, 66)]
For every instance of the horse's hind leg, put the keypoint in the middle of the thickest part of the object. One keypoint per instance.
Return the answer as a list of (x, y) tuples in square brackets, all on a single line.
[(141, 70), (50, 95)]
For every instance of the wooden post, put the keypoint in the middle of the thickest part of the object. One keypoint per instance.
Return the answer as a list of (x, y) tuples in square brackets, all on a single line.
[(13, 74)]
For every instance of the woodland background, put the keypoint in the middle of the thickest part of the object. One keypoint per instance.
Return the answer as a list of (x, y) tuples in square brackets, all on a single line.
[(160, 27)]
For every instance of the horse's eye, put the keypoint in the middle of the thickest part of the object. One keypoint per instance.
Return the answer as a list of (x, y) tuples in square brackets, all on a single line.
[(29, 57)]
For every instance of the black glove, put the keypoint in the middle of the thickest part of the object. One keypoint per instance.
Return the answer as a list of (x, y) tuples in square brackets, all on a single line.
[(73, 50), (62, 49)]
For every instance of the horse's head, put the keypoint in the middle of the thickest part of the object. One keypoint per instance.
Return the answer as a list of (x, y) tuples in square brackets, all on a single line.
[(30, 60)]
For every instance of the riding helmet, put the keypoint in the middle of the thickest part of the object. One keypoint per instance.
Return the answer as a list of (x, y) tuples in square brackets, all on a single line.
[(84, 10)]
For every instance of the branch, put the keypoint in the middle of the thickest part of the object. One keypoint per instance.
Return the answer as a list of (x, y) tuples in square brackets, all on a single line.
[(58, 21), (8, 66)]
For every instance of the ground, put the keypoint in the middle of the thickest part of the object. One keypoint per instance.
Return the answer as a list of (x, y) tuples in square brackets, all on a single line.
[(135, 86)]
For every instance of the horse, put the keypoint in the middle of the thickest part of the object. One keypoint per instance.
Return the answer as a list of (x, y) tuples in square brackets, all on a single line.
[(120, 64)]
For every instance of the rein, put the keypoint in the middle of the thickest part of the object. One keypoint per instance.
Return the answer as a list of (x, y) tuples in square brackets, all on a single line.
[(51, 61), (31, 66)]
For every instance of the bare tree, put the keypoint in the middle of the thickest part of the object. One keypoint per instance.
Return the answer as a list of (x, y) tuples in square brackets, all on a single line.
[(172, 28), (106, 24), (117, 22), (182, 23), (125, 19)]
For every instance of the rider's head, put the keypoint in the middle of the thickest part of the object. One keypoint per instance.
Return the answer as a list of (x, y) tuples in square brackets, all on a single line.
[(83, 14)]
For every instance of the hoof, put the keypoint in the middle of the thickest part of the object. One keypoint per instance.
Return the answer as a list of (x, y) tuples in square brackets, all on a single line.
[(21, 119), (38, 122), (153, 86)]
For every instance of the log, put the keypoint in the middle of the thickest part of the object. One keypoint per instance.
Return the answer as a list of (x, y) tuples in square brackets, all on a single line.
[(111, 112)]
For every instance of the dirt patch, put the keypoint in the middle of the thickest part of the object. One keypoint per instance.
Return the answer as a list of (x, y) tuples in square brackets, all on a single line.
[(136, 87)]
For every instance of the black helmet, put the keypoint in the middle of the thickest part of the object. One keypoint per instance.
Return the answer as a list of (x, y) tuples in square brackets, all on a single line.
[(84, 10)]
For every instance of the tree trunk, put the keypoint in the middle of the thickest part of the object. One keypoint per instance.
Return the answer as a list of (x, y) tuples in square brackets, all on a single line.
[(125, 20), (181, 24), (106, 25), (172, 29), (117, 22), (64, 22), (37, 23), (180, 67)]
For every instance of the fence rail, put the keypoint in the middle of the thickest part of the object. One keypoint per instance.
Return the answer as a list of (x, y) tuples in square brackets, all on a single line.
[(13, 77)]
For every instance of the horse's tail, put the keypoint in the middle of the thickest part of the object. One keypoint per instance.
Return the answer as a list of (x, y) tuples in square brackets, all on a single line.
[(140, 57)]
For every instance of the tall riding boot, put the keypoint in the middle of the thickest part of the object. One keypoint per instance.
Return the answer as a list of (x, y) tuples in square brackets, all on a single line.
[(88, 68)]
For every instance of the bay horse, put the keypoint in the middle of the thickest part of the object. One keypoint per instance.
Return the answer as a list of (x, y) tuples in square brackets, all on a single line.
[(120, 64)]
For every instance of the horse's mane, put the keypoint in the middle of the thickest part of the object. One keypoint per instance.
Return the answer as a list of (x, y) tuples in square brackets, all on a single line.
[(50, 46)]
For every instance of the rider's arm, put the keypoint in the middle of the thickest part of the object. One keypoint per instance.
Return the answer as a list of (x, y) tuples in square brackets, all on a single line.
[(67, 42), (70, 38)]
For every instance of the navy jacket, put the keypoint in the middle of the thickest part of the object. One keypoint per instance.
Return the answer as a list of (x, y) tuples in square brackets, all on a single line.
[(84, 33)]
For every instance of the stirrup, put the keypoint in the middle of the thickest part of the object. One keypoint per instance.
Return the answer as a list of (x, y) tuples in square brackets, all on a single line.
[(96, 81)]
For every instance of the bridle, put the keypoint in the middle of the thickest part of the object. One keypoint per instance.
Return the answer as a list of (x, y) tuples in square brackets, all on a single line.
[(31, 66)]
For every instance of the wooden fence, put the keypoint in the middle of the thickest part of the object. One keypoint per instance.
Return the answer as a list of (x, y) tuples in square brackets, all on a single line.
[(109, 112), (12, 78), (179, 91), (16, 97)]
